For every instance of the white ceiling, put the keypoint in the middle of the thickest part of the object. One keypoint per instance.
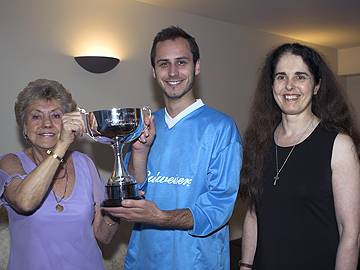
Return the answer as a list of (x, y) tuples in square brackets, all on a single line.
[(331, 23)]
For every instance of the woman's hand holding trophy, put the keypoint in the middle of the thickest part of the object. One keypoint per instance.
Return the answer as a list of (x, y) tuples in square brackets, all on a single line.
[(118, 127)]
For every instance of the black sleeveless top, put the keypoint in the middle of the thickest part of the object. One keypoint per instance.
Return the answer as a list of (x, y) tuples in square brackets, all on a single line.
[(297, 226)]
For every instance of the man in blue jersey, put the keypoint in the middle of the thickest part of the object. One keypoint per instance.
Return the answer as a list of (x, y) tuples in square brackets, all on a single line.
[(191, 171)]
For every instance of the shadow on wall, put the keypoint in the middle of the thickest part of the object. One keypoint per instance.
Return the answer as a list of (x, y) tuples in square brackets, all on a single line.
[(101, 154), (157, 93), (237, 219), (115, 252)]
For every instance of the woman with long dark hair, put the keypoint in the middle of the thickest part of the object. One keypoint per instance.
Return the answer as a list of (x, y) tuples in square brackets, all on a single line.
[(301, 171)]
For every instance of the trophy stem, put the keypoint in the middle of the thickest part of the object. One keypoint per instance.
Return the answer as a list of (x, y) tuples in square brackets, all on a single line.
[(119, 171), (121, 185), (117, 127)]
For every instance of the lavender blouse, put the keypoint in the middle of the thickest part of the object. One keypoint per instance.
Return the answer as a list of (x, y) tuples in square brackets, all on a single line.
[(48, 239)]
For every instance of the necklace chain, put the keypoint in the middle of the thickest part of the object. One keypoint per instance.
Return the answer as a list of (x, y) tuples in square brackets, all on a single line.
[(276, 177), (59, 207)]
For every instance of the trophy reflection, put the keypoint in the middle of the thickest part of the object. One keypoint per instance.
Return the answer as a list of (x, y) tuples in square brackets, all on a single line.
[(117, 127)]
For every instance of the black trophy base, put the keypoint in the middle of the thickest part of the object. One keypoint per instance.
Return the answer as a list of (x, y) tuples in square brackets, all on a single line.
[(117, 193)]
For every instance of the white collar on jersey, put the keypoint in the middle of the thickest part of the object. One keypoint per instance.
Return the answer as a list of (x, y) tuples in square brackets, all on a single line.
[(170, 122)]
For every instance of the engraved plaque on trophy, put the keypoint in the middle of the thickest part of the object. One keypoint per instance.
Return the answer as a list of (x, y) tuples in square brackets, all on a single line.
[(117, 127)]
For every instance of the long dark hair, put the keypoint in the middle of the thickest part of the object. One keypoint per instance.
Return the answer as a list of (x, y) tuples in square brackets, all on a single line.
[(329, 105)]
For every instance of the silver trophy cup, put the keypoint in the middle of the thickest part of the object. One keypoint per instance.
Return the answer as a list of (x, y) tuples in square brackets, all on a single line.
[(117, 127)]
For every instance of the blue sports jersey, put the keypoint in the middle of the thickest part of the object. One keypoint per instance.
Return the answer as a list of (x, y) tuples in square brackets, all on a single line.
[(196, 165)]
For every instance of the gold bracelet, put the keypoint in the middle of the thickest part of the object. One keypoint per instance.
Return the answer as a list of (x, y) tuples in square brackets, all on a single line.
[(55, 156)]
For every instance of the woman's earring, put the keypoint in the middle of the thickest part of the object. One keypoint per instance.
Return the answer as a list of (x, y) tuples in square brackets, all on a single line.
[(316, 90), (25, 136)]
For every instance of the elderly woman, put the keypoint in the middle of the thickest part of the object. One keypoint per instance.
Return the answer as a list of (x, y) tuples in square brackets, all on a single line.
[(52, 195)]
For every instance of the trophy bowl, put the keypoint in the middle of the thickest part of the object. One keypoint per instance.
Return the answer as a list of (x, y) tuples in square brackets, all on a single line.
[(117, 127)]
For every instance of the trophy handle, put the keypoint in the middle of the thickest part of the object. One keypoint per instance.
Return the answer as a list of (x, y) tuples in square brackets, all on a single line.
[(85, 116), (91, 125), (147, 109)]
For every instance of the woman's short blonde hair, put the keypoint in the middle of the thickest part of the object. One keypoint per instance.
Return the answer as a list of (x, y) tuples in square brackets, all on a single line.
[(42, 89)]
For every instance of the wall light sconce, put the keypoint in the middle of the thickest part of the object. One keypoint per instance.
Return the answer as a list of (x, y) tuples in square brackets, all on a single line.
[(97, 64)]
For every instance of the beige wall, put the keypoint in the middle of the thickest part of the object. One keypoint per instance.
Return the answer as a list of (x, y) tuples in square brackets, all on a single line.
[(349, 61), (40, 37)]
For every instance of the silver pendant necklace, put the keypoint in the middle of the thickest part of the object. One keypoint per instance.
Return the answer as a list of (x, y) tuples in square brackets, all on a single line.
[(276, 177)]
